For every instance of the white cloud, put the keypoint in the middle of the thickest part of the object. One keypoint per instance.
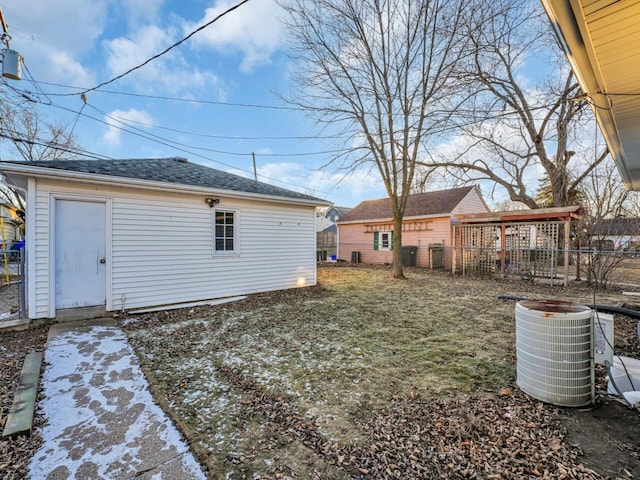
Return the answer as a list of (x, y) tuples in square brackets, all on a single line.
[(51, 36), (115, 121), (139, 11), (345, 188), (254, 30), (169, 73), (68, 69), (124, 53), (69, 25), (358, 184)]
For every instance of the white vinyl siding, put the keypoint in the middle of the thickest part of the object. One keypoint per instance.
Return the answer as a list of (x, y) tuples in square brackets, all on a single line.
[(162, 247), (41, 254)]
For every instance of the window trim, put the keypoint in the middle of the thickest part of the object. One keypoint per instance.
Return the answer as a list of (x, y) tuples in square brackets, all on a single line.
[(389, 236), (378, 242), (235, 250)]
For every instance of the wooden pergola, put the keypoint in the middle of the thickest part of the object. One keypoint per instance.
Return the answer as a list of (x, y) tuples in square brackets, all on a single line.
[(522, 242)]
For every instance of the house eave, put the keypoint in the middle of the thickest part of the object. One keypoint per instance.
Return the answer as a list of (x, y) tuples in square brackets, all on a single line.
[(574, 22), (9, 170)]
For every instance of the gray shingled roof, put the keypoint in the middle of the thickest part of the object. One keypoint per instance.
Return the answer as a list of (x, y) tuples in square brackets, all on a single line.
[(172, 171), (441, 202)]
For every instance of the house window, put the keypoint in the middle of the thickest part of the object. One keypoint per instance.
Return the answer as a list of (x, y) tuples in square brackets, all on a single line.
[(225, 223), (383, 240)]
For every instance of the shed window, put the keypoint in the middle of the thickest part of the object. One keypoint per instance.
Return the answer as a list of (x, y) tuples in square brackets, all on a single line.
[(225, 230), (383, 240)]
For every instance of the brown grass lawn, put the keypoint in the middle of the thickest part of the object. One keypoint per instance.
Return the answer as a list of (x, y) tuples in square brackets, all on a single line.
[(305, 383)]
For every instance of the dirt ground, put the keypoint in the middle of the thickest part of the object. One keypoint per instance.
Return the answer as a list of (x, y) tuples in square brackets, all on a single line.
[(15, 453), (362, 377), (607, 436), (9, 300)]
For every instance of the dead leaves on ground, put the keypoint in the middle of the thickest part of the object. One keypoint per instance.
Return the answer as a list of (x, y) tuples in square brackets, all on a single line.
[(501, 437), (504, 437)]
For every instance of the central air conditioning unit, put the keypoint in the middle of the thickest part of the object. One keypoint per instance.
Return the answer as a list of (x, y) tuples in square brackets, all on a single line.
[(554, 345)]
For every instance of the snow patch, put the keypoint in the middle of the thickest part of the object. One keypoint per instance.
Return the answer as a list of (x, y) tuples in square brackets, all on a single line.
[(100, 412)]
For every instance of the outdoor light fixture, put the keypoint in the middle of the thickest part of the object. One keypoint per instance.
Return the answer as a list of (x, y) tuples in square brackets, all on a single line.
[(212, 201)]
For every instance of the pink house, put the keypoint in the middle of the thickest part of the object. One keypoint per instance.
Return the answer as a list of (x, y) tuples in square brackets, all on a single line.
[(365, 234)]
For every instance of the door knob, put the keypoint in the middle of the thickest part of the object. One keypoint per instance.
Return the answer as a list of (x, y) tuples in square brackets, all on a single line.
[(102, 260)]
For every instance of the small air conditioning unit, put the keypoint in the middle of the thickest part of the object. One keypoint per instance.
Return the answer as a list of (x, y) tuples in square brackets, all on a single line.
[(554, 345)]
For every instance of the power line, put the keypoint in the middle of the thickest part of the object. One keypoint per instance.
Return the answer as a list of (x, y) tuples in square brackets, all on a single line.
[(184, 150), (97, 87), (202, 27), (171, 143), (221, 137), (168, 98), (243, 105), (183, 147), (456, 126), (53, 145), (97, 156), (33, 80)]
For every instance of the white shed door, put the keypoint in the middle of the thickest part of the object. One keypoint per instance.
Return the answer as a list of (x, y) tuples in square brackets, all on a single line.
[(80, 262)]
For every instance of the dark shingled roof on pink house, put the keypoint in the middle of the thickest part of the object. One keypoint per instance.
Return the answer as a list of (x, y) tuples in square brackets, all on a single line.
[(441, 202)]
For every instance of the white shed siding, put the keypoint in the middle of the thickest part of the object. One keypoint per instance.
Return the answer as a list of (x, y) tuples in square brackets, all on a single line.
[(41, 253), (162, 247)]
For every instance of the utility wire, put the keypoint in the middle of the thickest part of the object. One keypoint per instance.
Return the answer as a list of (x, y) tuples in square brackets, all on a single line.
[(228, 104), (97, 156), (171, 143), (220, 137), (182, 147), (168, 98), (25, 94), (435, 131), (185, 150), (33, 80), (166, 50), (13, 136)]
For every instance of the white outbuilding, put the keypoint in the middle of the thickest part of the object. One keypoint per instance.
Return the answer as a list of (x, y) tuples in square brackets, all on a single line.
[(109, 235)]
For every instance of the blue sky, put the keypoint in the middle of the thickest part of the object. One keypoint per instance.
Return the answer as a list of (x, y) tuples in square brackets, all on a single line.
[(240, 60)]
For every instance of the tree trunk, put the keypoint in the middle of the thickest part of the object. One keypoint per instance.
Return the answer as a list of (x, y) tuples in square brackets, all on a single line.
[(398, 270)]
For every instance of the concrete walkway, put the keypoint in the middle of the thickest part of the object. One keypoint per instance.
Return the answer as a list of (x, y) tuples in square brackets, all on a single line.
[(102, 421)]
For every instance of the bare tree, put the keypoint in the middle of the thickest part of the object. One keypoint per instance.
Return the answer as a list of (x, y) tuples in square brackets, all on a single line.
[(604, 195), (520, 118), (507, 205), (631, 206), (30, 137), (607, 207), (381, 69)]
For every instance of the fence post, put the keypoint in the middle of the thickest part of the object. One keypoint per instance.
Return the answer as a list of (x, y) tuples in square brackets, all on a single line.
[(567, 226), (23, 284)]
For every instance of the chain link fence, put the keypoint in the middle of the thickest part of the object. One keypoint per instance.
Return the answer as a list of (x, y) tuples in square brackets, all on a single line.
[(550, 264), (13, 288)]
